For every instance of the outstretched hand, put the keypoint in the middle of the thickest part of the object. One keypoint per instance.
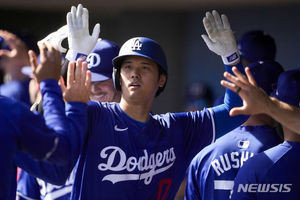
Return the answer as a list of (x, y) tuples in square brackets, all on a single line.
[(81, 43), (255, 100), (17, 55), (220, 38), (50, 62), (78, 87)]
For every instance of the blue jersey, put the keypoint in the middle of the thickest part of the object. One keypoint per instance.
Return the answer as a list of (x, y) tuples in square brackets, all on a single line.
[(213, 170), (33, 188), (139, 160), (18, 90), (273, 174), (127, 159), (52, 138)]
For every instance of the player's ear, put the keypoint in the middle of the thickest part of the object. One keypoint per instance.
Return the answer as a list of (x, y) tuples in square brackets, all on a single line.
[(162, 80)]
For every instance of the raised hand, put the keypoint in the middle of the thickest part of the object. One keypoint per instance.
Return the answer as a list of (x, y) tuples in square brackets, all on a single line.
[(78, 87), (81, 43), (17, 56), (50, 62), (255, 100), (220, 38)]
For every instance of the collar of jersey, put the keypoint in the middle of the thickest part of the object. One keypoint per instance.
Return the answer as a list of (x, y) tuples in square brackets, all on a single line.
[(140, 124)]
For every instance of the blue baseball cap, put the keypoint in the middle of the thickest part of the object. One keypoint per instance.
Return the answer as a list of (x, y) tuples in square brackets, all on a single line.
[(266, 74), (256, 45), (100, 60), (288, 87)]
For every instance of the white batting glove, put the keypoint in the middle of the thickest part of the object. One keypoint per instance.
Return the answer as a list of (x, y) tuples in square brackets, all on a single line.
[(81, 43), (56, 38), (220, 37)]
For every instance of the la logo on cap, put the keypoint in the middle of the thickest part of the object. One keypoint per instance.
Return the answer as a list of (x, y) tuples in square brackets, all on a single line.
[(137, 45)]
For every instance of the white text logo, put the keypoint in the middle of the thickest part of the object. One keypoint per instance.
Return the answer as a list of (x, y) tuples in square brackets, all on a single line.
[(147, 165), (275, 187), (137, 45), (93, 60)]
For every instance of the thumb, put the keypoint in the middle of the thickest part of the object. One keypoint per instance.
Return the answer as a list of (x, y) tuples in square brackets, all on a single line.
[(96, 32), (237, 111), (207, 41), (33, 60)]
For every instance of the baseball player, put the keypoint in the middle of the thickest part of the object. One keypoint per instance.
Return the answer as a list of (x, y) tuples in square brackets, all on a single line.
[(254, 46), (274, 173), (53, 138), (212, 171), (134, 152), (102, 89)]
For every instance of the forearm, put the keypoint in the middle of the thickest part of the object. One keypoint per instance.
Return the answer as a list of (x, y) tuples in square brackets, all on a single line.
[(225, 123), (51, 173), (284, 113)]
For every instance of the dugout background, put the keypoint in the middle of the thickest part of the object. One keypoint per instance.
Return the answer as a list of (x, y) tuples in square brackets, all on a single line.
[(177, 30)]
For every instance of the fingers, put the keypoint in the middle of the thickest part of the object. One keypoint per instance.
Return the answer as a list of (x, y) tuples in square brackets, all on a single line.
[(208, 26), (238, 111), (229, 85), (210, 22), (32, 60), (85, 18), (43, 51), (88, 82), (73, 14), (79, 10), (61, 83), (226, 23), (78, 70), (217, 19), (83, 72), (96, 31), (79, 14), (250, 77), (239, 75), (70, 74), (70, 20), (235, 80)]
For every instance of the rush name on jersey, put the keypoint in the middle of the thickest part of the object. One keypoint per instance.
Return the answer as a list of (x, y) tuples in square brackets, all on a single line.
[(227, 161)]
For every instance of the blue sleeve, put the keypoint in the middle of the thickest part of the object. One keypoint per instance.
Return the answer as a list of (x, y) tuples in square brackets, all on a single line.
[(223, 122), (53, 138), (192, 191), (50, 173), (27, 187), (53, 173), (245, 176)]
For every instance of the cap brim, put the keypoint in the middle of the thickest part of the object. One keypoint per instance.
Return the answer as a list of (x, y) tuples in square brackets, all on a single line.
[(95, 77)]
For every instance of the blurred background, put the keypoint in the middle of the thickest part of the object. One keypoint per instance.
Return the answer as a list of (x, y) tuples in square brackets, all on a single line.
[(175, 24)]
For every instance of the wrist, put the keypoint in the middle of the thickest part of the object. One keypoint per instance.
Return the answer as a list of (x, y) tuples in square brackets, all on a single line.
[(231, 59)]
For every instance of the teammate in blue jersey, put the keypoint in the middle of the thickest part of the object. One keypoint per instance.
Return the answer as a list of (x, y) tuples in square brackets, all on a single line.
[(53, 138), (102, 89), (12, 60), (130, 153), (274, 174), (212, 171)]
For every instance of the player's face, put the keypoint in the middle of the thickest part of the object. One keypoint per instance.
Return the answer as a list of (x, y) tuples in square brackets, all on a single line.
[(140, 78), (103, 91)]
